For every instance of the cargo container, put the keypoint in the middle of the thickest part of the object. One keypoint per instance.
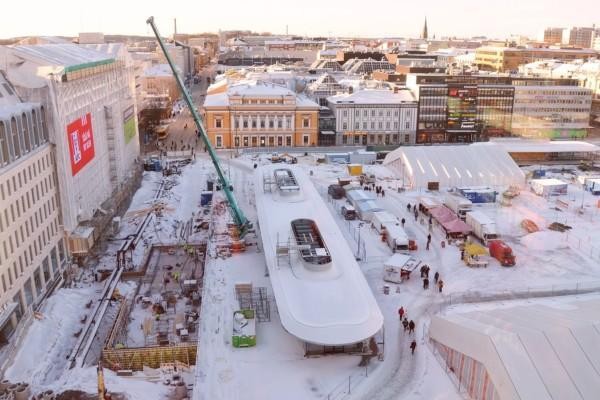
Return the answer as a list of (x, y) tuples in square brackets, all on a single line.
[(548, 187), (482, 226), (458, 204), (397, 239), (381, 219), (502, 252), (479, 195)]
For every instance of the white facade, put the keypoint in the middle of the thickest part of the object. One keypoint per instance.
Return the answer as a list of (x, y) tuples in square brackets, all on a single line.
[(539, 111), (375, 117), (73, 82), (32, 250)]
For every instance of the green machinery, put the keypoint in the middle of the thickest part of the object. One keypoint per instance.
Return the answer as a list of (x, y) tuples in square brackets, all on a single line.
[(238, 216)]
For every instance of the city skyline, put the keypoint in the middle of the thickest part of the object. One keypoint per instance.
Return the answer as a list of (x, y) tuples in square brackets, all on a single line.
[(268, 16)]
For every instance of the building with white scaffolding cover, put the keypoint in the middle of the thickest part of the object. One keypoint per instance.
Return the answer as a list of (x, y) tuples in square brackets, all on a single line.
[(321, 294)]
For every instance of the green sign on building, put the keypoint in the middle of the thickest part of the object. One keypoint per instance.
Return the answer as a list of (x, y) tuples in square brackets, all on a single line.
[(129, 128)]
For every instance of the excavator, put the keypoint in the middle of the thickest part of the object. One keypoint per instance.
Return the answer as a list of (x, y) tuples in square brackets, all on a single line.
[(240, 220)]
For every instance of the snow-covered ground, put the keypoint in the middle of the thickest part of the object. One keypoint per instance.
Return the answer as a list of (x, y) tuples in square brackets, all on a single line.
[(276, 367)]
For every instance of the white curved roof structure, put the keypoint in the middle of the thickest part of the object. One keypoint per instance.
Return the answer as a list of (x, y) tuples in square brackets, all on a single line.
[(321, 294), (454, 166), (540, 349)]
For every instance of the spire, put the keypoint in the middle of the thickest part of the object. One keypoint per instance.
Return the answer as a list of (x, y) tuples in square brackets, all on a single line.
[(424, 35)]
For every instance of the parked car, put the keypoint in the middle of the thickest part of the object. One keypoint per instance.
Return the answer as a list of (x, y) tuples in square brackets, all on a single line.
[(336, 192), (348, 212)]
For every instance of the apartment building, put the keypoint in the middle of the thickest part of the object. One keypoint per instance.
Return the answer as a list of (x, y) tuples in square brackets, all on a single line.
[(375, 117), (507, 59), (32, 248), (253, 113), (582, 36), (554, 36), (90, 109)]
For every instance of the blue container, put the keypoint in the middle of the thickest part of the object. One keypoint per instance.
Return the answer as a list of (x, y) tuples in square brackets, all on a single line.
[(205, 198), (539, 173)]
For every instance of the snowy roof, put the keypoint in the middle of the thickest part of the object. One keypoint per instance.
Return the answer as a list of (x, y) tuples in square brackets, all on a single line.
[(158, 70), (62, 55), (254, 88), (331, 305), (543, 146), (540, 349), (114, 50), (374, 96), (455, 166)]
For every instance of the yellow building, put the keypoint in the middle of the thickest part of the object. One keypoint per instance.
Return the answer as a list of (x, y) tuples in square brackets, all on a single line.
[(506, 59), (254, 113)]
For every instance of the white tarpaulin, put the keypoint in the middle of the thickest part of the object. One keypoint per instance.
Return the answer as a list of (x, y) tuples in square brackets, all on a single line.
[(454, 166)]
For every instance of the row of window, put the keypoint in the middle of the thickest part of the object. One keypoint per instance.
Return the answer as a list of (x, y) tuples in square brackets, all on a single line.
[(262, 141), (260, 122), (22, 134), (527, 110), (553, 101), (384, 139), (374, 112), (22, 177), (379, 125), (544, 92)]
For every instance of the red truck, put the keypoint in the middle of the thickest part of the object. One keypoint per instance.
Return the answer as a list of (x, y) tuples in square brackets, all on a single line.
[(502, 252)]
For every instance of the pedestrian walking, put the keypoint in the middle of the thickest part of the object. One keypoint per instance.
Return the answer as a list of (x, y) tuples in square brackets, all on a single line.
[(462, 254), (427, 246), (408, 207), (382, 193), (427, 271), (413, 346), (425, 284), (422, 270), (401, 312), (440, 285), (436, 277), (403, 222), (411, 326), (405, 324)]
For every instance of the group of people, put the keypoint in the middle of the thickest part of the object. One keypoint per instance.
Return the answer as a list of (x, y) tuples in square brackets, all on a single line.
[(436, 277), (408, 326), (373, 188)]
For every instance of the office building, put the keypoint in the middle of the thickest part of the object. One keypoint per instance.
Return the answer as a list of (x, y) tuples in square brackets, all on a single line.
[(582, 37), (507, 59), (374, 117), (90, 108), (32, 248), (554, 36)]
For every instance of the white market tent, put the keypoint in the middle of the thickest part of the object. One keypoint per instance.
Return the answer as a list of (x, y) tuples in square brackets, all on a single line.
[(454, 166), (547, 349)]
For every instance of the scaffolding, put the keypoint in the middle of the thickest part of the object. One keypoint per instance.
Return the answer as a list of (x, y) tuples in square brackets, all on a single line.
[(257, 299)]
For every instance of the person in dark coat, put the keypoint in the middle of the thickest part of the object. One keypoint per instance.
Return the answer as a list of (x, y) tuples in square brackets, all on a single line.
[(422, 270), (411, 326), (408, 207), (401, 312), (413, 346), (436, 277), (405, 324), (440, 285), (425, 283), (403, 222), (427, 271)]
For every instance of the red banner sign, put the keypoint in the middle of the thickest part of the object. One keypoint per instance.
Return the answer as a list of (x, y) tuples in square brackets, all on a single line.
[(81, 142)]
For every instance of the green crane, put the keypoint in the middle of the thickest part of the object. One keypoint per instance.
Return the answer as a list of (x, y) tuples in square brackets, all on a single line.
[(240, 220)]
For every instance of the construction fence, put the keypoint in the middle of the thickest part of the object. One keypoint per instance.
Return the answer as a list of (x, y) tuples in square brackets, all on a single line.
[(153, 357)]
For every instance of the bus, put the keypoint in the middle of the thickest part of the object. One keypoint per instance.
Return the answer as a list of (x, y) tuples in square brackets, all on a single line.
[(162, 132)]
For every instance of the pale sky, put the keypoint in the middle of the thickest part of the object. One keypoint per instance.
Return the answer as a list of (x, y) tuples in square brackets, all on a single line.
[(498, 18)]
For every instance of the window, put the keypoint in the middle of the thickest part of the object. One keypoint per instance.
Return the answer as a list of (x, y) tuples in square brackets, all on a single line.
[(271, 124), (4, 154), (262, 123), (271, 141), (356, 125), (345, 113), (279, 123), (26, 137), (344, 126), (218, 123), (245, 123), (288, 123), (305, 140), (219, 141), (372, 125), (306, 122), (253, 123), (15, 138), (236, 123), (288, 141), (237, 141)]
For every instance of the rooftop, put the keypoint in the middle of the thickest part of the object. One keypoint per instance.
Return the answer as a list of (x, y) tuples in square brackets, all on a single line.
[(67, 55), (374, 96)]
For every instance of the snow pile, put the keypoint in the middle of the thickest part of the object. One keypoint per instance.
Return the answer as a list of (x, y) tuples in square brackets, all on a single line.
[(544, 241), (85, 379), (41, 358)]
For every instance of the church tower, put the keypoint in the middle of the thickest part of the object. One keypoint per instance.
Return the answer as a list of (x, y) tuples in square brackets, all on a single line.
[(424, 34)]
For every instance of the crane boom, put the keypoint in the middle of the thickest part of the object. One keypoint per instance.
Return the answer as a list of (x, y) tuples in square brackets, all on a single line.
[(238, 216)]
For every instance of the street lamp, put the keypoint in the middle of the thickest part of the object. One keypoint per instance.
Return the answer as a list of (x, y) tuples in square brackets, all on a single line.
[(360, 225)]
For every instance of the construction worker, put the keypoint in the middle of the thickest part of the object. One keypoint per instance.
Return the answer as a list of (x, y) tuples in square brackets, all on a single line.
[(413, 346)]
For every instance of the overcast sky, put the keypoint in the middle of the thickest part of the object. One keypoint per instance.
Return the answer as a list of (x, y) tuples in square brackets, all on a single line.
[(461, 18)]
